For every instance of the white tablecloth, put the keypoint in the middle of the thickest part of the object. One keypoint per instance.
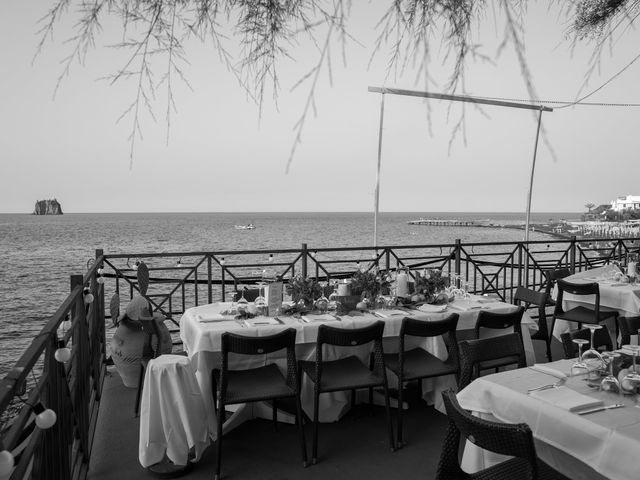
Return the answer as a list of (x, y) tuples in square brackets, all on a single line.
[(201, 338), (599, 445), (171, 413), (621, 297)]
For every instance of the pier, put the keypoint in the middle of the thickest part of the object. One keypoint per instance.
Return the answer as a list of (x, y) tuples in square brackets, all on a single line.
[(444, 222)]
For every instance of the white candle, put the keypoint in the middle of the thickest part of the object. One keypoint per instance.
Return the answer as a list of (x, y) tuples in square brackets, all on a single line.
[(402, 284), (631, 269), (343, 289)]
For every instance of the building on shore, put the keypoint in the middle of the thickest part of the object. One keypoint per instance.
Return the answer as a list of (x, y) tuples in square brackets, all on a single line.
[(627, 202)]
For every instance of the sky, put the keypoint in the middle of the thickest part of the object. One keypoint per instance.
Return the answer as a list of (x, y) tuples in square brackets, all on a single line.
[(223, 156)]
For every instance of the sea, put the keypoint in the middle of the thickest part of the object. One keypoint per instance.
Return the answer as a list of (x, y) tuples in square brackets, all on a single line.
[(39, 253)]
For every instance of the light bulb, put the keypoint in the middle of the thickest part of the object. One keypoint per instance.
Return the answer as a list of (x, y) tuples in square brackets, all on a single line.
[(100, 280), (135, 267), (66, 325), (6, 463), (62, 355), (270, 257), (88, 298), (222, 261), (100, 271), (45, 417)]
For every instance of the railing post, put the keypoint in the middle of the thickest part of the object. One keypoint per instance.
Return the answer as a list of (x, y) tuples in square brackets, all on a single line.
[(387, 259), (81, 387), (209, 273), (520, 247), (458, 251), (98, 347), (572, 255), (303, 258)]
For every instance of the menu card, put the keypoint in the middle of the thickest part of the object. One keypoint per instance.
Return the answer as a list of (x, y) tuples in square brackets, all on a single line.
[(274, 297)]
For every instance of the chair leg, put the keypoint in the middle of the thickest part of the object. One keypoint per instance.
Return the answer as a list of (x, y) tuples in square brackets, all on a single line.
[(274, 414), (400, 413), (353, 399), (300, 422), (219, 441), (314, 453), (548, 342), (387, 407), (136, 410)]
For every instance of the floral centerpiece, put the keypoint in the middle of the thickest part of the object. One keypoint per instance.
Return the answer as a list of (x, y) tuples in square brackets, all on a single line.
[(369, 284), (303, 289), (430, 283)]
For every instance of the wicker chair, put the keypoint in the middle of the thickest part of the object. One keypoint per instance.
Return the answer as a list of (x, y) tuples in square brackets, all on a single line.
[(416, 364), (515, 440), (580, 314), (256, 384), (499, 321), (552, 277), (601, 338), (534, 298), (628, 326), (472, 352), (348, 373)]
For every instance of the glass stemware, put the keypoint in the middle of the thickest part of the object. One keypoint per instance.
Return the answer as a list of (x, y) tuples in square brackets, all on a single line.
[(242, 304), (579, 367), (322, 303), (610, 383), (631, 380), (334, 303), (592, 357)]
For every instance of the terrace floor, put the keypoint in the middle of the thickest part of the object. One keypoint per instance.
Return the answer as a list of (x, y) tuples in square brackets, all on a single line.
[(354, 447)]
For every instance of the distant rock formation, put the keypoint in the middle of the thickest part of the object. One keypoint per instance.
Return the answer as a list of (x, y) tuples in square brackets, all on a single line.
[(48, 207)]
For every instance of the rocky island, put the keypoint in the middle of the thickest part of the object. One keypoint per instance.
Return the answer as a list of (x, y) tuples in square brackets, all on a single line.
[(48, 207)]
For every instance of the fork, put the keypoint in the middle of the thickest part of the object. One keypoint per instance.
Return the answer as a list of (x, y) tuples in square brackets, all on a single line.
[(546, 387)]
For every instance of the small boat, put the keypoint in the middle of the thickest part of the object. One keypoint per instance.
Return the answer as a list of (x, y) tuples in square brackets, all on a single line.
[(249, 226)]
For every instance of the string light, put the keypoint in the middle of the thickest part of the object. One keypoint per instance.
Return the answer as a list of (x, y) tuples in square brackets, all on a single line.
[(179, 262), (62, 353), (45, 417), (7, 461), (271, 258), (88, 296), (222, 261)]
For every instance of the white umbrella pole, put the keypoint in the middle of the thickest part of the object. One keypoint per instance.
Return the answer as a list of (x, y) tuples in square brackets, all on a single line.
[(533, 169), (377, 195)]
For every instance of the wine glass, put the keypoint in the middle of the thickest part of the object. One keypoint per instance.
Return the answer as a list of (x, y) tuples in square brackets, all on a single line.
[(632, 379), (579, 367), (322, 303), (610, 383), (242, 304), (334, 304), (592, 357), (261, 302)]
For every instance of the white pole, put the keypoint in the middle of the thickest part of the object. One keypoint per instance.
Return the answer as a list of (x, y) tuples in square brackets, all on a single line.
[(377, 195), (533, 169)]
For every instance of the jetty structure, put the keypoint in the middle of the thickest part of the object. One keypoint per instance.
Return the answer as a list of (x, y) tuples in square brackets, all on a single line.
[(444, 222), (48, 207)]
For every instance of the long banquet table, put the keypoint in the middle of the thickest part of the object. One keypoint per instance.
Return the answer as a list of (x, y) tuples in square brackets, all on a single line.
[(598, 445), (201, 329), (614, 295)]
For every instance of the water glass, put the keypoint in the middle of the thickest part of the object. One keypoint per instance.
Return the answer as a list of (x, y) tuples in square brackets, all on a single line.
[(610, 383), (579, 367), (631, 380), (592, 357)]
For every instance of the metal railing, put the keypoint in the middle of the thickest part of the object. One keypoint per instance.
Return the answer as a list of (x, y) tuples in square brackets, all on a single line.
[(180, 280)]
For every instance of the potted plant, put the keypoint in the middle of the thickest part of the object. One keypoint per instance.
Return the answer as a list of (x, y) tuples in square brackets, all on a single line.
[(304, 290)]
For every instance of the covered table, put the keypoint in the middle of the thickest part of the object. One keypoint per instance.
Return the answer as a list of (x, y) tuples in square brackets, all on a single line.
[(595, 446), (201, 329), (171, 413)]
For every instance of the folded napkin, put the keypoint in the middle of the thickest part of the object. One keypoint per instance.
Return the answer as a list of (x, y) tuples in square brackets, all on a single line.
[(465, 304), (428, 308), (252, 322), (318, 317), (210, 317), (389, 313), (566, 398), (559, 369)]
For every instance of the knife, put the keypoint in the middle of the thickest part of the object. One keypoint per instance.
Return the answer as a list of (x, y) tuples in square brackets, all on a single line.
[(599, 409)]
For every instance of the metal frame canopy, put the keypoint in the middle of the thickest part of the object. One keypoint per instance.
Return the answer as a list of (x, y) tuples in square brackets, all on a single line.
[(453, 98)]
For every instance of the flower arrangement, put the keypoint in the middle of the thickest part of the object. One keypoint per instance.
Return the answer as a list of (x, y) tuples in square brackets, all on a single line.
[(305, 289), (369, 283), (430, 283)]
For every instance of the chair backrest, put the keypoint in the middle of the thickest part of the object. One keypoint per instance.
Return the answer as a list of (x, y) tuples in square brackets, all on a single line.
[(515, 440), (246, 345), (585, 289), (473, 352), (420, 328), (628, 326), (553, 276), (352, 337), (495, 320), (601, 338), (530, 297)]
